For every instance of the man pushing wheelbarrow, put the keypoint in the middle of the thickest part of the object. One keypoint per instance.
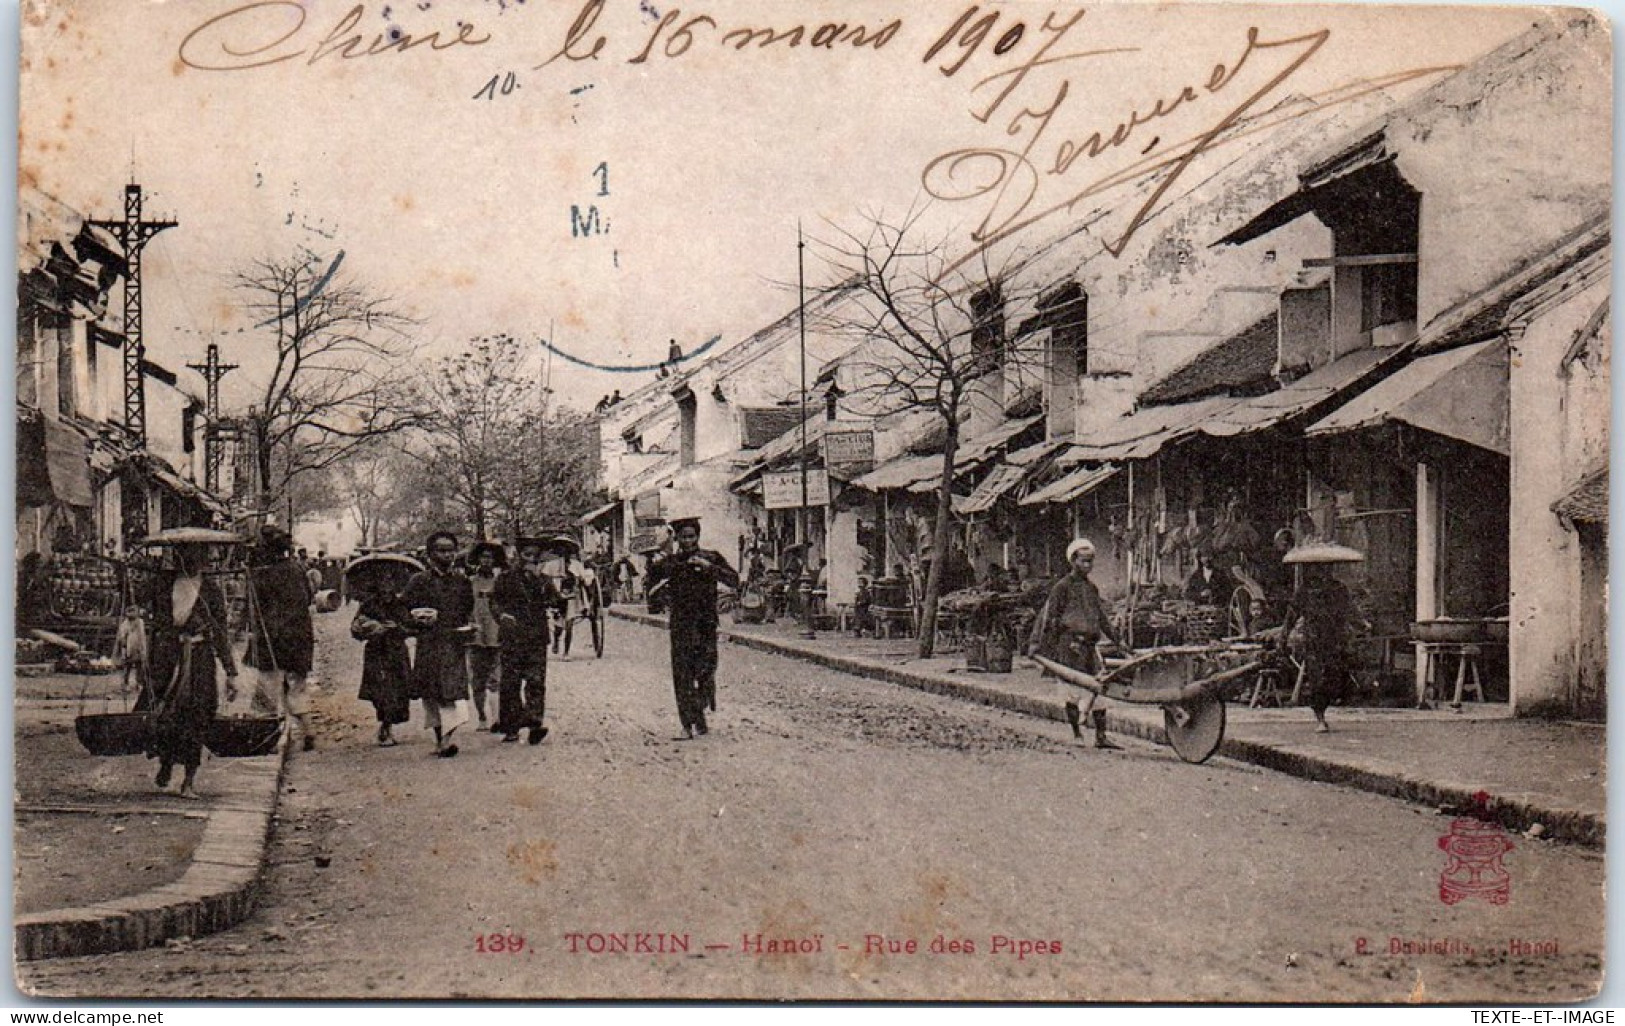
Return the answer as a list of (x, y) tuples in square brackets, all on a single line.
[(1187, 681), (1068, 630)]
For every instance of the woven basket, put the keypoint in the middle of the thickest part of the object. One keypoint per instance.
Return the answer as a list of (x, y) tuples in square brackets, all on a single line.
[(243, 737), (114, 733)]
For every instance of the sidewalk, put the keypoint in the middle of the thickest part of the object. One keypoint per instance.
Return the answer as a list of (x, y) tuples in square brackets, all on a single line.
[(107, 863), (1536, 771)]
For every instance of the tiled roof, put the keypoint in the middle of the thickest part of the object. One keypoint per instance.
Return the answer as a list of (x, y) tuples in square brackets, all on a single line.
[(1588, 502), (1485, 313), (1240, 362), (763, 424)]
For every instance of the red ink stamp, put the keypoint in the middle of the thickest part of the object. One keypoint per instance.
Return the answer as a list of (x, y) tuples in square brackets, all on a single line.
[(1475, 845)]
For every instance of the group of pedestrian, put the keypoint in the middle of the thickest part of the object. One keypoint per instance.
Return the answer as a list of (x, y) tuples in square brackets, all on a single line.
[(473, 627)]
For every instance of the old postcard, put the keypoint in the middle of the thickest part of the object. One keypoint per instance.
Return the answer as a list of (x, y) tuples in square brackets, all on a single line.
[(884, 500)]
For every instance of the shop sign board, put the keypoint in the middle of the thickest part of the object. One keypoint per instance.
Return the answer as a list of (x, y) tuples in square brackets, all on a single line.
[(850, 451), (782, 490)]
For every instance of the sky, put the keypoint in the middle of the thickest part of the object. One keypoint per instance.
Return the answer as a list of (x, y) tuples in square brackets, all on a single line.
[(491, 179)]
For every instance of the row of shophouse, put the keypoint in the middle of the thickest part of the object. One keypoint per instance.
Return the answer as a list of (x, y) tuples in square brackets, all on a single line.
[(1388, 327), (90, 485)]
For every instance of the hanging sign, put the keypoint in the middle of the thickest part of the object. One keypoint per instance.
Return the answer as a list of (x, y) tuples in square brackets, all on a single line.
[(852, 452), (782, 490)]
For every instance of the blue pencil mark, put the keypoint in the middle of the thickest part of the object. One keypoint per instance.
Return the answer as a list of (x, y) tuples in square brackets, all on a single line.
[(315, 290), (648, 10), (578, 90), (627, 368)]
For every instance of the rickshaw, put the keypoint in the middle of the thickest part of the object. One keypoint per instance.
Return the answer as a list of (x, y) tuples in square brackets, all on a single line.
[(582, 590)]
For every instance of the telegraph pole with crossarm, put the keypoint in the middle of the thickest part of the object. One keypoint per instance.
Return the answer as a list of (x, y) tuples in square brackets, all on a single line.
[(133, 233), (212, 370)]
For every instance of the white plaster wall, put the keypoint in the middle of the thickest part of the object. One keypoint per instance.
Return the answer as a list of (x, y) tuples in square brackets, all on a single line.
[(1546, 116), (1547, 460)]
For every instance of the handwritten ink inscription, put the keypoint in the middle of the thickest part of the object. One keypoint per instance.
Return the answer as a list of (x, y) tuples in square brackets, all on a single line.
[(260, 35), (1034, 87)]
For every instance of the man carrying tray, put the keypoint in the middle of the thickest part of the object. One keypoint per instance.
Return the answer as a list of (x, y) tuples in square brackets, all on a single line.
[(1070, 626)]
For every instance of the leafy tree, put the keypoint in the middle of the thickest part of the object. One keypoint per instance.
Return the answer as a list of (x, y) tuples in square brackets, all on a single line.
[(498, 447)]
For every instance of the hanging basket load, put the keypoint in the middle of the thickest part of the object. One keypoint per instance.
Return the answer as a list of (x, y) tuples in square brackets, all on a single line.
[(243, 737), (113, 734)]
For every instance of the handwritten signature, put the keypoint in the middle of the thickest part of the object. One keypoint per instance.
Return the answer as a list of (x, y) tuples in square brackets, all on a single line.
[(1009, 179), (258, 35)]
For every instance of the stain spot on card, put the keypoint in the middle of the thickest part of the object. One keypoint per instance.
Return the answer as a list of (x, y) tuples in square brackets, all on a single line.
[(535, 861), (405, 203)]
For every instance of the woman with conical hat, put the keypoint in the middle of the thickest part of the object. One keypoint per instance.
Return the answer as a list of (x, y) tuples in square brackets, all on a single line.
[(189, 637), (1319, 624)]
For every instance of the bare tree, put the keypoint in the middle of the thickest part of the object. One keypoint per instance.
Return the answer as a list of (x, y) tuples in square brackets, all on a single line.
[(930, 335), (336, 383)]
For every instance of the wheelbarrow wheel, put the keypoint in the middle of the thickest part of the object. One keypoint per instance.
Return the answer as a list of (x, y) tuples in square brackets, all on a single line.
[(1195, 728)]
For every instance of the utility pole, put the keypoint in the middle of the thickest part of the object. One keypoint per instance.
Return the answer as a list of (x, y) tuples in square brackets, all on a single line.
[(212, 370), (133, 233), (805, 584)]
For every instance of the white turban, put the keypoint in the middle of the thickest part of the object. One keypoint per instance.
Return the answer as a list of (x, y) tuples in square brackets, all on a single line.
[(1079, 545)]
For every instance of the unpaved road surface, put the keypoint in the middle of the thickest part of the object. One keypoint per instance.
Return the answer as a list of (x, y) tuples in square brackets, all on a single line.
[(845, 819)]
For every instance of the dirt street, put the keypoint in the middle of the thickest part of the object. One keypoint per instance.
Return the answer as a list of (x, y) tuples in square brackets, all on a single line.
[(840, 838)]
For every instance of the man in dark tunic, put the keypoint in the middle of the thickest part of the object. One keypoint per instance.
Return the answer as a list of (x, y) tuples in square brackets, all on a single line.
[(283, 643), (441, 603), (689, 578), (1070, 626), (523, 598)]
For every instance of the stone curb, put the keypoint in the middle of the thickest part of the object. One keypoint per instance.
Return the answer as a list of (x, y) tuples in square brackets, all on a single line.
[(1512, 812), (218, 890)]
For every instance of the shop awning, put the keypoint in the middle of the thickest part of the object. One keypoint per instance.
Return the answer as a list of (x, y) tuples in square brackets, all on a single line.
[(786, 445), (1587, 502), (1142, 434), (598, 514), (901, 472), (998, 481), (1461, 393), (974, 451), (1078, 483), (184, 488), (1267, 410), (68, 464)]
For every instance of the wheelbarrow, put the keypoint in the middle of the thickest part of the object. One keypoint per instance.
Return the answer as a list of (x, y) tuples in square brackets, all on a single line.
[(1186, 680)]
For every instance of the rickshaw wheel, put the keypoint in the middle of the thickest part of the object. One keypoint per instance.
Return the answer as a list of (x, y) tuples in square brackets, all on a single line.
[(1195, 728), (598, 633)]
